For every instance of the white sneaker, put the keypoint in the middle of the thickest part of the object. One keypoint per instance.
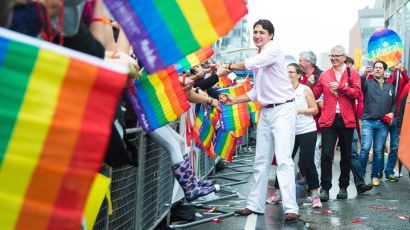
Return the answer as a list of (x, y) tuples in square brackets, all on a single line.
[(316, 203), (396, 172)]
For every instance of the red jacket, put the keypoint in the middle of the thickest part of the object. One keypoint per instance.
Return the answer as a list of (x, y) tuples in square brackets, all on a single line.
[(346, 95), (359, 108)]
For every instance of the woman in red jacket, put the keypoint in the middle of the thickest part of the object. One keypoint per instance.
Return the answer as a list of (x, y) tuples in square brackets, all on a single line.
[(340, 87)]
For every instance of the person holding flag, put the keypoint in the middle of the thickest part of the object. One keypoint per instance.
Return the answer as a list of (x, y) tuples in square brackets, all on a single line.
[(276, 127)]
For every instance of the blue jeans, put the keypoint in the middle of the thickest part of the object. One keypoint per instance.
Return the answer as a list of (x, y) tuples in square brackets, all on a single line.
[(373, 131), (394, 145), (356, 167)]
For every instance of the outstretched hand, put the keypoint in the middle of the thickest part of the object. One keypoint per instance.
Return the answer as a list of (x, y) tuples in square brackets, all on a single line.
[(226, 99)]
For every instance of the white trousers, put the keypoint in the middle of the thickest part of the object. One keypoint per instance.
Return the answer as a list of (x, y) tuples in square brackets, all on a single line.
[(275, 134), (170, 140)]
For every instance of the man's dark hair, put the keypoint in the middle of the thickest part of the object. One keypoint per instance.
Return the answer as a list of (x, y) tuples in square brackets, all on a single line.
[(349, 60), (383, 63), (267, 25)]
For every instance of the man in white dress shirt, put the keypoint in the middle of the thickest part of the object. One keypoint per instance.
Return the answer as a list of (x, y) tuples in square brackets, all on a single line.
[(276, 127)]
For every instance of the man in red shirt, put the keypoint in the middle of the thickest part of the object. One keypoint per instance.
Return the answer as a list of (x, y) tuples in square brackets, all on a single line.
[(310, 75), (394, 131), (337, 119)]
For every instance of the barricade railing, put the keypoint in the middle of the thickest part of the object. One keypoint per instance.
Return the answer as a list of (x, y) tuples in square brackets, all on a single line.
[(141, 196)]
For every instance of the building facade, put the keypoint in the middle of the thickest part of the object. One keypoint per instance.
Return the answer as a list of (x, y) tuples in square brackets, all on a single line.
[(235, 46), (369, 20), (397, 18)]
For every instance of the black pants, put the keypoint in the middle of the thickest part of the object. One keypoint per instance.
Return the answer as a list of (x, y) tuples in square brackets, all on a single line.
[(306, 142), (329, 137)]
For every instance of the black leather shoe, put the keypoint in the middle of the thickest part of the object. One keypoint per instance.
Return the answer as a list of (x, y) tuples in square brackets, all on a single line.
[(324, 195), (291, 217), (362, 188), (244, 212), (342, 194)]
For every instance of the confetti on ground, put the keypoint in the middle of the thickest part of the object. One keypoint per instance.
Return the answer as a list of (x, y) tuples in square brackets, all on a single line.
[(327, 211), (384, 208), (216, 220), (358, 220), (401, 217)]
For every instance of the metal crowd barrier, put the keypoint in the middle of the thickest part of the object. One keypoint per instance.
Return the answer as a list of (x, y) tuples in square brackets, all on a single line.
[(141, 196)]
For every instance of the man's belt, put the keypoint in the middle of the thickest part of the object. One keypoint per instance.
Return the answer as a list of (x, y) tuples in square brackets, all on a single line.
[(277, 104)]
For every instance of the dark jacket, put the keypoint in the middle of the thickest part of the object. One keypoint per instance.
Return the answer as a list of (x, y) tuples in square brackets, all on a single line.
[(206, 83), (377, 101)]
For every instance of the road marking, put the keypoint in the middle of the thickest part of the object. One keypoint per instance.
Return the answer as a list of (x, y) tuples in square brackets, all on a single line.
[(251, 222)]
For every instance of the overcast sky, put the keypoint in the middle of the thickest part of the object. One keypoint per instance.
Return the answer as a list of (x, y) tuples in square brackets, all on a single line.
[(315, 25)]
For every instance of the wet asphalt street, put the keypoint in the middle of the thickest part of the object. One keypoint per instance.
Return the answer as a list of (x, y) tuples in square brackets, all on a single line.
[(385, 207)]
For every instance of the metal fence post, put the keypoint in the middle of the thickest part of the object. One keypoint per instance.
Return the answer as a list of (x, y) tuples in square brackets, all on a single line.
[(140, 177)]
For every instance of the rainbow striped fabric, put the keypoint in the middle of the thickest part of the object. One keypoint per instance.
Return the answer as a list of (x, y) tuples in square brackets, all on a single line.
[(254, 116), (165, 31), (214, 115), (225, 144), (234, 117), (194, 59), (224, 81), (203, 131), (253, 107), (56, 111), (158, 99)]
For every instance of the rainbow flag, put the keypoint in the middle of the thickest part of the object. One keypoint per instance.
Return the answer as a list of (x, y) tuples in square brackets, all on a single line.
[(254, 117), (56, 111), (224, 81), (203, 131), (158, 99), (194, 59), (165, 31), (247, 85), (214, 115), (225, 145), (253, 106), (239, 132), (234, 117), (254, 111)]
